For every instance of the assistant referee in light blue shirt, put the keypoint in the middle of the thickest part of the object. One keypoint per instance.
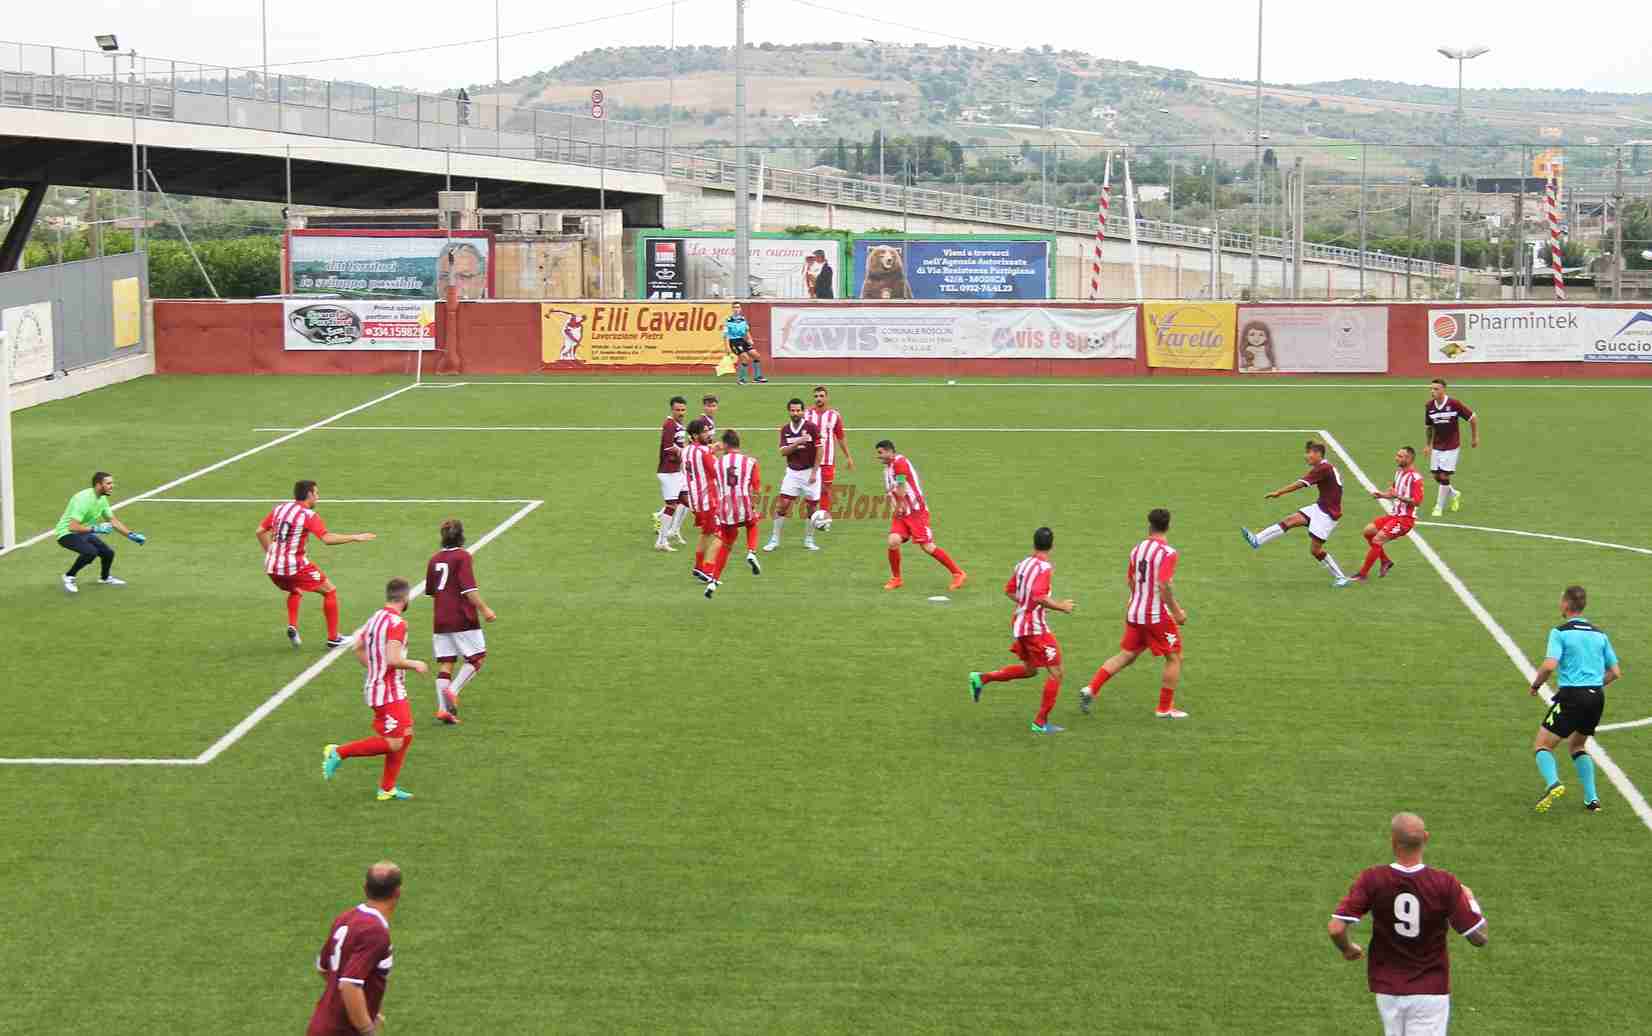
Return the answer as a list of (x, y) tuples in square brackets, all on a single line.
[(1581, 653)]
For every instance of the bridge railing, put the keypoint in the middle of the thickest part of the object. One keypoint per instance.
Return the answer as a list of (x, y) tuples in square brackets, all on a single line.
[(67, 79)]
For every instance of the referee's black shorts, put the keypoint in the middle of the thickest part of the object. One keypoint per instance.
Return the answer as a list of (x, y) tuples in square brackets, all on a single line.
[(1575, 710), (739, 346)]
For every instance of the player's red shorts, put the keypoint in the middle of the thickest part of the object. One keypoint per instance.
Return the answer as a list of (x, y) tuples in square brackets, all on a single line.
[(1395, 526), (393, 720), (730, 533), (706, 522), (1162, 637), (913, 526), (308, 580), (1037, 651)]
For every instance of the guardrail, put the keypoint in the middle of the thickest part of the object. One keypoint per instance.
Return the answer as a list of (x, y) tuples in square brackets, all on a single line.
[(66, 79)]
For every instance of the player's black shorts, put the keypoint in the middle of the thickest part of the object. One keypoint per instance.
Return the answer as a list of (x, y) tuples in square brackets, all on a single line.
[(738, 346), (1575, 710)]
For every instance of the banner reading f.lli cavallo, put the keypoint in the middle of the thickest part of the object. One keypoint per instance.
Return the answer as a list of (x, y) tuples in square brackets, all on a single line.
[(1190, 336), (619, 334)]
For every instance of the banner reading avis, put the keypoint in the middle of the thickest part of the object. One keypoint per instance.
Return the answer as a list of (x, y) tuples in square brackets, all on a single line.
[(1190, 336), (619, 334)]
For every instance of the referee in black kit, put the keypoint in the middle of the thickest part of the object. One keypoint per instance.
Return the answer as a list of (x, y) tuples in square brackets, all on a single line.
[(1582, 656)]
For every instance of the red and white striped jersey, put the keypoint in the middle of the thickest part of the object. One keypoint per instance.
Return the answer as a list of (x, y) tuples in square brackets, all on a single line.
[(831, 433), (700, 477), (1408, 489), (1151, 563), (384, 684), (737, 478), (1030, 582), (293, 524), (911, 490)]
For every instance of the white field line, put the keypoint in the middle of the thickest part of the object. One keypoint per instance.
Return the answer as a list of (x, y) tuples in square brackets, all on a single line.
[(275, 700), (243, 455), (1258, 382), (330, 500), (1614, 773), (1647, 722), (870, 428), (1539, 536)]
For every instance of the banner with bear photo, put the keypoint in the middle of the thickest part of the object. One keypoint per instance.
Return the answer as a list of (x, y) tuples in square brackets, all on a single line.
[(982, 267)]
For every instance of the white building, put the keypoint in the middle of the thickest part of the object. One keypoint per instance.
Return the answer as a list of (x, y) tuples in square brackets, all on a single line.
[(808, 119)]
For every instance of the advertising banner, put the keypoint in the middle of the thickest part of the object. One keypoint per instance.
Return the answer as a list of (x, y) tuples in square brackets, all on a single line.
[(389, 264), (996, 333), (1313, 339), (127, 305), (1190, 336), (942, 269), (28, 329), (702, 267), (1549, 334), (376, 326), (609, 334)]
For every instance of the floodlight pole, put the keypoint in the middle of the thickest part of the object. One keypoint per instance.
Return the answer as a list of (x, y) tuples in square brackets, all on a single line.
[(742, 199), (1256, 227)]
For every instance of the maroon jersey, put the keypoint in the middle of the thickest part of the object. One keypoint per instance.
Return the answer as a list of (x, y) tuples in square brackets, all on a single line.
[(1410, 908), (791, 434), (1328, 480), (356, 952), (672, 436), (1442, 418), (449, 578)]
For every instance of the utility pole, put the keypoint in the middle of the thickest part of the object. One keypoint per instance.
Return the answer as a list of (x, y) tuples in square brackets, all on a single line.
[(1362, 149), (1256, 227), (742, 197), (1215, 228), (1520, 230), (1410, 239), (1617, 229)]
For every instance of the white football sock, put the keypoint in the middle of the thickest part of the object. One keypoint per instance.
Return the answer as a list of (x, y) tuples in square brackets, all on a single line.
[(677, 518), (1445, 497), (1331, 563), (774, 533), (1268, 535), (466, 672), (441, 699)]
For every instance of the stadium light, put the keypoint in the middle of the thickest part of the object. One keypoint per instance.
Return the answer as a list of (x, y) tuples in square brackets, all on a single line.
[(107, 42), (1460, 55)]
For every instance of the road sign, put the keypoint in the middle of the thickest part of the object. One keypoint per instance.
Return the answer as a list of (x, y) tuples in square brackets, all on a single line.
[(596, 109)]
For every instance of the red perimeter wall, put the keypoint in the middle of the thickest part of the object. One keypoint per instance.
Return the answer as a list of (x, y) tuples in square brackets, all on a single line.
[(232, 337)]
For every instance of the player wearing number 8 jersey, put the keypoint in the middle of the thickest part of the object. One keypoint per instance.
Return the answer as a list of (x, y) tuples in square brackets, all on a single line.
[(1411, 906), (1151, 618), (1406, 493), (382, 651), (738, 482), (1320, 517), (456, 617), (1034, 644), (284, 534)]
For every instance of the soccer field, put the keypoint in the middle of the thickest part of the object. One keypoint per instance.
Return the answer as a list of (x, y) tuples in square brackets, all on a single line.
[(778, 811)]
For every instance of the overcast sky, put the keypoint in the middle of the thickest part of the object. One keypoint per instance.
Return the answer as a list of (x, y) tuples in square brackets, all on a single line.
[(1306, 40)]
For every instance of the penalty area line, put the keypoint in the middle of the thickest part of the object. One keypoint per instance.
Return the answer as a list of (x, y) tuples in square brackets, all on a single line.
[(1631, 725), (1539, 536), (1614, 773)]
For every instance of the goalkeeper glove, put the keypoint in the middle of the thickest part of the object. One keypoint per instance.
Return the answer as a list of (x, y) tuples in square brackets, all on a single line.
[(137, 537), (103, 528)]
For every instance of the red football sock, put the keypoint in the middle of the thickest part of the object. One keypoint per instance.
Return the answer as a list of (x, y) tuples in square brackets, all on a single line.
[(366, 746), (945, 559), (1101, 677), (329, 608), (1167, 698), (393, 766), (751, 537), (825, 503), (700, 558), (1372, 556), (293, 600), (722, 559), (1009, 672), (895, 561), (1052, 688)]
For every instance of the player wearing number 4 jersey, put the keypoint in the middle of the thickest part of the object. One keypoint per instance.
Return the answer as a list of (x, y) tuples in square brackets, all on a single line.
[(1320, 517), (356, 958), (382, 651), (1150, 619), (1406, 493), (1034, 644), (284, 533), (1411, 905), (456, 618)]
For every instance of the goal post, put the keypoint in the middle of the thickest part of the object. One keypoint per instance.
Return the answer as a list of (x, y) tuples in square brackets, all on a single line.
[(8, 505)]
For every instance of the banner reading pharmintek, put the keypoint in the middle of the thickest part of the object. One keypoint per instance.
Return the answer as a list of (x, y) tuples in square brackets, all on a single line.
[(1191, 336), (1539, 335), (618, 334)]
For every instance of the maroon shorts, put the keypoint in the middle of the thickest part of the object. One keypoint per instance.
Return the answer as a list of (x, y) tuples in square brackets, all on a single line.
[(1162, 637), (393, 720), (1037, 652), (308, 580)]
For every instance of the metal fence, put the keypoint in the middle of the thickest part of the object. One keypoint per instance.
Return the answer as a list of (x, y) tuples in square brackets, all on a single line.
[(66, 79)]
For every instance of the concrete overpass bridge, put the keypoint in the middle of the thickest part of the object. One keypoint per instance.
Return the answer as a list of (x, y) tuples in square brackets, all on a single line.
[(75, 117)]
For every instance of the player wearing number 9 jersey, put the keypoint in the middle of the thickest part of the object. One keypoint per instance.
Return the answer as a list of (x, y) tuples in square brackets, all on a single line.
[(284, 533), (1411, 906), (1150, 619), (457, 614), (356, 958)]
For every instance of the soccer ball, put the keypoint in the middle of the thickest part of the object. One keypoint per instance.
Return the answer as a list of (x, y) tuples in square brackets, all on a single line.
[(822, 520)]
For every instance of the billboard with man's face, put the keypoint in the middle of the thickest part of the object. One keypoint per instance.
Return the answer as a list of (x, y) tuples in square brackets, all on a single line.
[(389, 264)]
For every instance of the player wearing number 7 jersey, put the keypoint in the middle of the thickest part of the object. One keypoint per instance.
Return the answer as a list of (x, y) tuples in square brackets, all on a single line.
[(457, 614), (1411, 905), (1150, 619)]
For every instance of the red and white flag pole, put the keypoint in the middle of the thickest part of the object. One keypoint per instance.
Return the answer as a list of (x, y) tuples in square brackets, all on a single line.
[(1551, 205), (1101, 227)]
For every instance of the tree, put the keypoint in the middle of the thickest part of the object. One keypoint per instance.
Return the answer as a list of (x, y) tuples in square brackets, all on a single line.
[(842, 154)]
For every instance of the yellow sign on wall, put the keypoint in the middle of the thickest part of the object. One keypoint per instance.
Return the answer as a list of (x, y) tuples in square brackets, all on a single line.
[(127, 302), (602, 334), (1192, 336)]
